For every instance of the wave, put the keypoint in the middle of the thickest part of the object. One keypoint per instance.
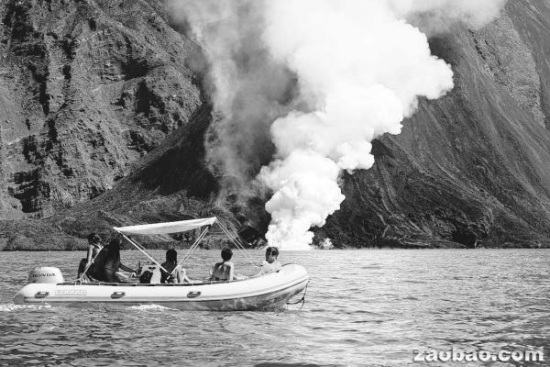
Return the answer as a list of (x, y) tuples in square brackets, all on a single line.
[(151, 307), (10, 307)]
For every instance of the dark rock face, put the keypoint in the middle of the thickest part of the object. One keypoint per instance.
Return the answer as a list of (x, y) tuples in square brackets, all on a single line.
[(470, 168), (86, 89), (98, 101)]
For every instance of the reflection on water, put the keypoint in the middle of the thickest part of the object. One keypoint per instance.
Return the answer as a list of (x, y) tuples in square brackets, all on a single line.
[(364, 308)]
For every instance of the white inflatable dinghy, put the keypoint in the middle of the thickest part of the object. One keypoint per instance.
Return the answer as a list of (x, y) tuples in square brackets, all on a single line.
[(47, 285)]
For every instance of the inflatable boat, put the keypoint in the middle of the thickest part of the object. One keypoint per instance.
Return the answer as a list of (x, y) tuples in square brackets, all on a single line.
[(269, 291), (259, 293)]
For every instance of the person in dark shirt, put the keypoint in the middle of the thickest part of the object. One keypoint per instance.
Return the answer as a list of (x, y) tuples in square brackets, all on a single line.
[(94, 248), (108, 264)]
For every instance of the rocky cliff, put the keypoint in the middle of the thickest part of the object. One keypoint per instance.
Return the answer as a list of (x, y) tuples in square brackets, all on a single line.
[(104, 112), (87, 89), (471, 167)]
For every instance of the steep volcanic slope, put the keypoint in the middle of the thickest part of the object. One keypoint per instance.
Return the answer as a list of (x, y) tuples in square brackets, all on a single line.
[(86, 89), (472, 167), (469, 169)]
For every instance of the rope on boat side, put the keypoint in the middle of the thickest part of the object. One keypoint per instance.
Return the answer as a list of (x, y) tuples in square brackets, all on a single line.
[(303, 299)]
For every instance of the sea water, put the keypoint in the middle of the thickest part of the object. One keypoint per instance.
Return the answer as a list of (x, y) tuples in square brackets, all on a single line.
[(363, 308)]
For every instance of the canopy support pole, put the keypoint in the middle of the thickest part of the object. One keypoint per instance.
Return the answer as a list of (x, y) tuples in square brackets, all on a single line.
[(143, 251), (237, 242), (196, 244)]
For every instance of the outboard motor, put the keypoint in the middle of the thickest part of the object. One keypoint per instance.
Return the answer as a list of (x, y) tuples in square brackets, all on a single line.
[(46, 274)]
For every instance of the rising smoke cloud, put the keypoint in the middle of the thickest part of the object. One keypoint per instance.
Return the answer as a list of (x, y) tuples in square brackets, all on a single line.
[(358, 68), (249, 88)]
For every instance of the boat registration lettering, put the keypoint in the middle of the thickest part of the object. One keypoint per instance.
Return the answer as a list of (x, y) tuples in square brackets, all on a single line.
[(71, 292)]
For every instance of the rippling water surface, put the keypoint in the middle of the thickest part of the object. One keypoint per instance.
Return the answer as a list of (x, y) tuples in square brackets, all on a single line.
[(363, 308)]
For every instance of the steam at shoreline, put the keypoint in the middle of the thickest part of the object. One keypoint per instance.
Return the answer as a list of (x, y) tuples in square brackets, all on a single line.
[(354, 70)]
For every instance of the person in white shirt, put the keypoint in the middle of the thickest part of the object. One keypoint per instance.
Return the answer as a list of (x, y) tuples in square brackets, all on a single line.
[(271, 264), (223, 271)]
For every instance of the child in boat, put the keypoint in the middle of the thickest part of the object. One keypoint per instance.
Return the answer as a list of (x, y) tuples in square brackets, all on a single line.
[(175, 273), (94, 247), (271, 264), (223, 271)]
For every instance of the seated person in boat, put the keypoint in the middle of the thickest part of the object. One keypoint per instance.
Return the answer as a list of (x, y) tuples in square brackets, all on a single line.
[(174, 273), (108, 264), (94, 247), (223, 271), (271, 264)]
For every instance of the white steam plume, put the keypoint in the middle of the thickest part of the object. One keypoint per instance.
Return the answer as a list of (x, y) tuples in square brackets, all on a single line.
[(248, 87), (360, 68)]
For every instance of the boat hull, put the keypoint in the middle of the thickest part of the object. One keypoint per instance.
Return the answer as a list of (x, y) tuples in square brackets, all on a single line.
[(259, 293)]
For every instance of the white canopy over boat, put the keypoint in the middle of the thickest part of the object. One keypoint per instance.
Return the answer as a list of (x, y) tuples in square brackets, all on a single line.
[(171, 227), (165, 228)]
